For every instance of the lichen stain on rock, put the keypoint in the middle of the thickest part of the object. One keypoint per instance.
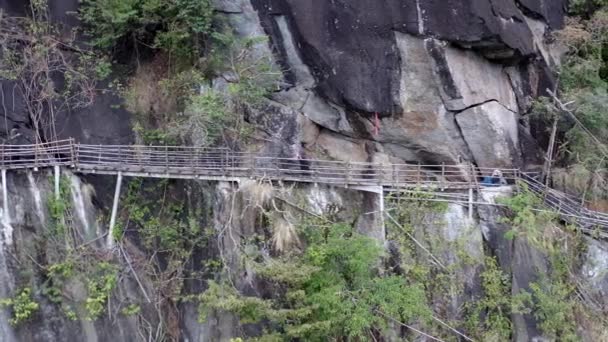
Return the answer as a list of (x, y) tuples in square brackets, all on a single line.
[(416, 123)]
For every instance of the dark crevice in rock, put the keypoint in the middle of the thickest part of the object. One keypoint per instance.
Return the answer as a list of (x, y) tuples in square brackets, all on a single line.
[(228, 12), (456, 112), (528, 12), (276, 43), (437, 53)]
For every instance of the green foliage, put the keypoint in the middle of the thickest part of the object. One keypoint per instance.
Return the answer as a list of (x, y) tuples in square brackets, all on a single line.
[(58, 208), (22, 306), (226, 298), (204, 114), (99, 287), (204, 119), (190, 49), (175, 26), (584, 84), (255, 73), (99, 277), (441, 265), (117, 232), (585, 7), (162, 226), (526, 220), (156, 137), (57, 275), (551, 299), (554, 308), (331, 291), (211, 114), (489, 317), (170, 229), (131, 310), (36, 53), (70, 314)]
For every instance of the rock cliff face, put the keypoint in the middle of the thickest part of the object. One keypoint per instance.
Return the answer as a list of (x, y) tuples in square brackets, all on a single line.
[(441, 76), (431, 81), (425, 68)]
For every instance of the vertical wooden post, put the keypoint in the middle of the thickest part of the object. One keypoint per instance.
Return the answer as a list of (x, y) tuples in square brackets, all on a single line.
[(166, 159), (235, 164), (348, 173), (418, 176), (443, 176), (114, 210), (224, 162), (57, 182), (380, 215), (121, 163), (72, 152), (473, 176), (252, 165), (550, 151), (36, 157), (5, 212), (395, 176), (471, 203)]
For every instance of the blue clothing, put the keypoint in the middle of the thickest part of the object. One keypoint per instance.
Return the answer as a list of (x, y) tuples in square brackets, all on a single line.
[(490, 181)]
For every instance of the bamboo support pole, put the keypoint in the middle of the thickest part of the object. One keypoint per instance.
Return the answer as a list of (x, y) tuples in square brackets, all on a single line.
[(57, 174), (114, 210)]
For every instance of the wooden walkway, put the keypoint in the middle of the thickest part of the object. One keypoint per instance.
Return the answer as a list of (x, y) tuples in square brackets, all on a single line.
[(218, 164)]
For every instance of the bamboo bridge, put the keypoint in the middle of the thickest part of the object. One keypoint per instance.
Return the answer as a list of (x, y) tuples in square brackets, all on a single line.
[(219, 164)]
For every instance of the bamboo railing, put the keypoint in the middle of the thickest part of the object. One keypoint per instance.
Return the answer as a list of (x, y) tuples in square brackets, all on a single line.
[(219, 163)]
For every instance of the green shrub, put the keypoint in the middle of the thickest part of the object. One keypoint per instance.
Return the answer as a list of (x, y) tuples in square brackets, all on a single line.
[(22, 306), (554, 308), (99, 288), (331, 291), (585, 7), (175, 26), (131, 310), (489, 316), (584, 84)]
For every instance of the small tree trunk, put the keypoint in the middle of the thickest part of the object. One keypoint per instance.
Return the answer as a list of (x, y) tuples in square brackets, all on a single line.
[(550, 151)]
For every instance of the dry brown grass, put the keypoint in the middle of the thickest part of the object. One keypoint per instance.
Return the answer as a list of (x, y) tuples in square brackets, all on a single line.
[(257, 194), (581, 181), (574, 33), (260, 197), (578, 32), (284, 234), (146, 95)]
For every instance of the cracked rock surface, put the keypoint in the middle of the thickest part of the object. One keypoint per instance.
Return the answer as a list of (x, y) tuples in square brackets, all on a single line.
[(441, 76)]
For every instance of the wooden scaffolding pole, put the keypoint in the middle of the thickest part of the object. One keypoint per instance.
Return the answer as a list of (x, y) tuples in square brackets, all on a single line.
[(114, 210)]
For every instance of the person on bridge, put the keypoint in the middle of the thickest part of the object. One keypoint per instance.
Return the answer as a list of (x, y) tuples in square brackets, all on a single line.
[(496, 179)]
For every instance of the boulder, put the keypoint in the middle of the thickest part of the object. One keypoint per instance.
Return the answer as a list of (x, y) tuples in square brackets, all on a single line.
[(351, 50), (594, 271), (466, 79), (492, 134)]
